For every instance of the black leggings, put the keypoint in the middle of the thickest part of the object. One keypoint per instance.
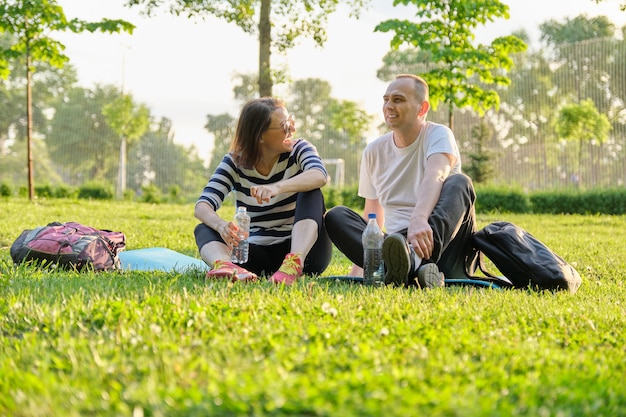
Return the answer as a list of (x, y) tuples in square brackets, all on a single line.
[(266, 259)]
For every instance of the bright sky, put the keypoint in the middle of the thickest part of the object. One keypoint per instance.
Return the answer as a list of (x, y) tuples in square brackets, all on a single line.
[(183, 69)]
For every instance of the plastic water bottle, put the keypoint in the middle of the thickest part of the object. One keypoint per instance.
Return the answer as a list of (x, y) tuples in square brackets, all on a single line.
[(239, 253), (373, 268)]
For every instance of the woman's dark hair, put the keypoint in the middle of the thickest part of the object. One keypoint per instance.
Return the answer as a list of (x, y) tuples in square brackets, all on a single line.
[(255, 118)]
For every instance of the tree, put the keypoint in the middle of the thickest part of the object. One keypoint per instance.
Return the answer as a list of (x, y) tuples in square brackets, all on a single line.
[(524, 123), (580, 28), (585, 50), (246, 87), (348, 124), (48, 83), (222, 127), (583, 123), (80, 141), (336, 127), (444, 35), (404, 61), (129, 121), (31, 21), (277, 23), (584, 64), (481, 168), (159, 162)]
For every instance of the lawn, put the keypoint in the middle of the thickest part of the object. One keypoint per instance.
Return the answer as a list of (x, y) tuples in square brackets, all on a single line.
[(173, 344)]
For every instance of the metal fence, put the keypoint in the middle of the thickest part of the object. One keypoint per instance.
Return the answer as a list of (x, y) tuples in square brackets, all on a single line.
[(526, 147)]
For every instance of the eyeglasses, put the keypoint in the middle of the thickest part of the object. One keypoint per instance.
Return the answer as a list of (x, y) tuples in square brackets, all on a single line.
[(288, 125)]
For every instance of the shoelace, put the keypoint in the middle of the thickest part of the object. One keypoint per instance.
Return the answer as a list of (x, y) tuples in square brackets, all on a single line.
[(222, 264), (291, 266), (218, 265)]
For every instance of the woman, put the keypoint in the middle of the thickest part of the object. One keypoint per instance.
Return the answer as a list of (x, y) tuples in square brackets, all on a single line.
[(278, 179)]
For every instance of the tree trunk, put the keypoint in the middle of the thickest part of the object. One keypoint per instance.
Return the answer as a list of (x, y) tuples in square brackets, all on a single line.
[(265, 39)]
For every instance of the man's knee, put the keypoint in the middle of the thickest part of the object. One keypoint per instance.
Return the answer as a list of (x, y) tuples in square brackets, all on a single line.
[(460, 184), (335, 217)]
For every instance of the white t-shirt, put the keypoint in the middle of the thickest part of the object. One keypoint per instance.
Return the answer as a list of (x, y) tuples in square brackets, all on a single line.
[(393, 175)]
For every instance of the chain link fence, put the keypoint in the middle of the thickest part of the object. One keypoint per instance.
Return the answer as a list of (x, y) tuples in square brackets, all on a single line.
[(524, 144)]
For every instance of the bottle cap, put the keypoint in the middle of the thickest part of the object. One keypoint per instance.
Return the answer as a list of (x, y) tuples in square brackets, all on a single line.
[(371, 216)]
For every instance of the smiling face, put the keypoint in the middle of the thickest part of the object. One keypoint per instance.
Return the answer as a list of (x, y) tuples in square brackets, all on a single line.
[(278, 137), (402, 107)]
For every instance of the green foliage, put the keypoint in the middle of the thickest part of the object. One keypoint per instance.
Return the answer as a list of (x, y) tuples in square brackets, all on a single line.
[(55, 191), (510, 199), (151, 194), (514, 200), (336, 128), (582, 122), (222, 127), (152, 343), (481, 166), (608, 201), (128, 195), (63, 191), (5, 190), (332, 196), (96, 190), (292, 19), (344, 196), (174, 194), (458, 70), (501, 199), (44, 191), (277, 24), (83, 146), (579, 28), (32, 21), (351, 198), (164, 163), (80, 138), (127, 119)]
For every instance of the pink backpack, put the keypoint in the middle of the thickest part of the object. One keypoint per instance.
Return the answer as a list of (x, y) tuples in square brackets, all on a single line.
[(69, 245)]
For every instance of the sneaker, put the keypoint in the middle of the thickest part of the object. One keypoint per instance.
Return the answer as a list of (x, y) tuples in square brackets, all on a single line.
[(290, 270), (398, 259), (225, 269), (428, 276)]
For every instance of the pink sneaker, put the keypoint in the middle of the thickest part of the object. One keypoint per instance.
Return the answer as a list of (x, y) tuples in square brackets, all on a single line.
[(225, 269), (290, 270)]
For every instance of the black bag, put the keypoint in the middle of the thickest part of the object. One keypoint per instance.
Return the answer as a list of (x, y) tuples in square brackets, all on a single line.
[(69, 245), (525, 261)]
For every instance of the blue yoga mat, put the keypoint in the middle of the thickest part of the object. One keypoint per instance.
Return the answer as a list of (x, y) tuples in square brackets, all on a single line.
[(159, 259)]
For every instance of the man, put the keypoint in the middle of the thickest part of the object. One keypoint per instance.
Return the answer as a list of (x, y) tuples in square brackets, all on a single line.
[(411, 178)]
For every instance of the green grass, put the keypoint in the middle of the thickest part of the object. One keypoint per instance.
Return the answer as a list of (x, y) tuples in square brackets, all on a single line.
[(159, 344)]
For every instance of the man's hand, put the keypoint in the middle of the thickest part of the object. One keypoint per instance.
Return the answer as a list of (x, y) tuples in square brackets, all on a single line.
[(420, 237)]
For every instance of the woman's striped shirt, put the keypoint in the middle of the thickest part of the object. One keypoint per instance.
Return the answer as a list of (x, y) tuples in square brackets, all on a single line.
[(271, 222)]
